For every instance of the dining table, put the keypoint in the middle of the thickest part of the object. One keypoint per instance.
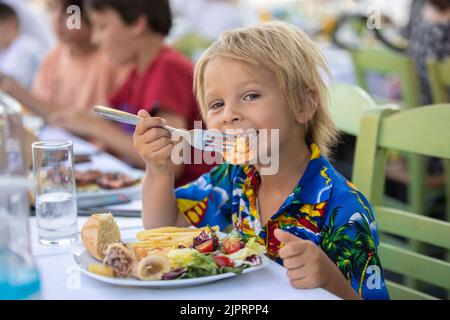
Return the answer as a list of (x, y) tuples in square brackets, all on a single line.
[(61, 278)]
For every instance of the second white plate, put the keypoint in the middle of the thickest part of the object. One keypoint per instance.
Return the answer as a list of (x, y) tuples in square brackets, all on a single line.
[(82, 259)]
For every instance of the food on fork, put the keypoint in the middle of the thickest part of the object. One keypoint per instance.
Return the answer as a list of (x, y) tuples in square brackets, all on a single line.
[(152, 267), (98, 232), (241, 152), (120, 260)]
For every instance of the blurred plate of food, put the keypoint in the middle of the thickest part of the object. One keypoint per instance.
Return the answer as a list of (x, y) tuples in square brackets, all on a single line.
[(93, 184)]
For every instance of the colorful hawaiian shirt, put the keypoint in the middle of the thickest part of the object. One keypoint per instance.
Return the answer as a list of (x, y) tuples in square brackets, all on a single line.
[(324, 208)]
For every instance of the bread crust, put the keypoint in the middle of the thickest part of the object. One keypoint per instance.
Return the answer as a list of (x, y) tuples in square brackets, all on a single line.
[(99, 231)]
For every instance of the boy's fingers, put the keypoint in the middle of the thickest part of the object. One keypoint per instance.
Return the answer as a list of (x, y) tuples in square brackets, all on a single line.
[(164, 152), (153, 134), (159, 144), (284, 236), (293, 263), (143, 113), (296, 274), (147, 123), (292, 249), (303, 283)]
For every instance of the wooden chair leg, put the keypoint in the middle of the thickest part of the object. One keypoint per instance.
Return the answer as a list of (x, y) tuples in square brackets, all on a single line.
[(446, 166)]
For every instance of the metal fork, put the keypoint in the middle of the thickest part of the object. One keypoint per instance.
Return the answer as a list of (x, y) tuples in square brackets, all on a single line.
[(206, 140)]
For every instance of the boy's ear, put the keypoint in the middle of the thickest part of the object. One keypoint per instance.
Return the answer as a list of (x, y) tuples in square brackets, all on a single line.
[(305, 112), (140, 25)]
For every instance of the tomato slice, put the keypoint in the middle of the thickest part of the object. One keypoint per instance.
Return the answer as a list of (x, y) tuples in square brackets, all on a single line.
[(223, 261), (231, 245), (205, 247)]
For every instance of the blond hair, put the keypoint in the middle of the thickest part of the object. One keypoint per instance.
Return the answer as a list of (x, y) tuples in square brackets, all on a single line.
[(294, 59)]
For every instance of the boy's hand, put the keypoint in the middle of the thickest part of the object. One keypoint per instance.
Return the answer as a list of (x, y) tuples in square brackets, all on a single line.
[(153, 143), (308, 266), (9, 85), (79, 122)]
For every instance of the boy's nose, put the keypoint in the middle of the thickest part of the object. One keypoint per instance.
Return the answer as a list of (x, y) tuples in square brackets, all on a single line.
[(231, 115)]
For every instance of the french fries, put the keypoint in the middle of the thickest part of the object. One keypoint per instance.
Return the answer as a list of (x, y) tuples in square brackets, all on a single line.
[(165, 238), (161, 243), (172, 232)]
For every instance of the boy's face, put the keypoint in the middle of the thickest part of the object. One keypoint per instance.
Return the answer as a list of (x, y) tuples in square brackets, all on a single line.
[(113, 36), (239, 96)]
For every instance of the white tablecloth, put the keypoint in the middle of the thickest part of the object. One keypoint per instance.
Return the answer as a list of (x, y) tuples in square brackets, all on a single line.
[(60, 278)]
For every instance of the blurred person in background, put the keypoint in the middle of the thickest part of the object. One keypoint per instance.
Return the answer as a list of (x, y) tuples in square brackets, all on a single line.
[(428, 35), (134, 32), (75, 75), (34, 21), (20, 54)]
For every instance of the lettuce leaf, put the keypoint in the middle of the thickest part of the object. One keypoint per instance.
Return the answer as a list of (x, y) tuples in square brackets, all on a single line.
[(255, 246), (236, 270), (201, 265)]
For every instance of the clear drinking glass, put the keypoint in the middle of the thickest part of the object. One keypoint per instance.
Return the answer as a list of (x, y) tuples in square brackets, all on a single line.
[(55, 195)]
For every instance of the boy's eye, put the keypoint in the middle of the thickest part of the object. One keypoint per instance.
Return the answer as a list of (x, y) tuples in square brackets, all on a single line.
[(251, 97), (216, 105)]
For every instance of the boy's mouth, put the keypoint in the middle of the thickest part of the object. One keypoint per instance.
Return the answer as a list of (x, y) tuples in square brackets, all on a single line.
[(243, 148), (241, 132)]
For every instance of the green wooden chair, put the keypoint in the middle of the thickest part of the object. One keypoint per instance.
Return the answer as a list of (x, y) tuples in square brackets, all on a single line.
[(439, 78), (387, 62), (347, 103), (424, 131)]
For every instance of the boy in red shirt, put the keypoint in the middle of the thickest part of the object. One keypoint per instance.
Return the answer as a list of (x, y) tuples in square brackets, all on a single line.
[(133, 32)]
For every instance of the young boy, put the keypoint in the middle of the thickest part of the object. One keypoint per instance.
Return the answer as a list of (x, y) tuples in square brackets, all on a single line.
[(75, 75), (308, 216), (20, 54), (134, 32)]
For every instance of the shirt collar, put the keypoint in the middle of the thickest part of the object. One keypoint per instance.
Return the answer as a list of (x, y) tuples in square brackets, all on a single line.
[(316, 183), (314, 186)]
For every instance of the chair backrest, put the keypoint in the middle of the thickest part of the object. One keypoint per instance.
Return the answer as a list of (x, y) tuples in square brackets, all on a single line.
[(439, 78), (387, 62), (347, 104), (424, 131)]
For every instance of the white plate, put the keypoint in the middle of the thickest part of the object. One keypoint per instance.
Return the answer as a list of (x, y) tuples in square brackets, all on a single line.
[(103, 195), (82, 259)]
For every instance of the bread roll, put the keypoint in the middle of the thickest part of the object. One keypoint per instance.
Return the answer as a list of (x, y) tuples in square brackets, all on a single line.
[(98, 232)]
